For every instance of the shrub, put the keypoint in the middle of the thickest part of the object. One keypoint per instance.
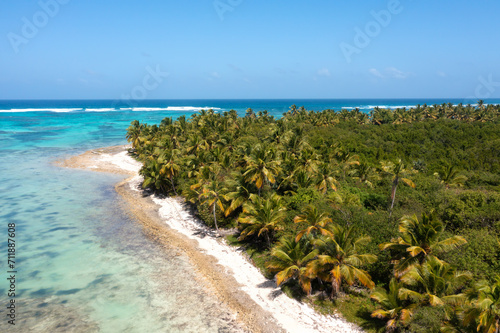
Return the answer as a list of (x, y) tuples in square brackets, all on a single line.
[(481, 254)]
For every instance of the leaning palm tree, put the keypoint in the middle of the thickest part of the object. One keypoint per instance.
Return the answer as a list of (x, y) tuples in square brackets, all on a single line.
[(340, 258), (289, 259), (419, 240), (484, 307), (395, 307), (315, 220), (262, 216), (398, 172)]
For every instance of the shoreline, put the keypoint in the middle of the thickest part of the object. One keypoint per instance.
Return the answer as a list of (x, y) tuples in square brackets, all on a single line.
[(257, 302)]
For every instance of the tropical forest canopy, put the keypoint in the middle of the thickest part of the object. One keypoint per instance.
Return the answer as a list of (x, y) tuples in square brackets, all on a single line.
[(399, 206)]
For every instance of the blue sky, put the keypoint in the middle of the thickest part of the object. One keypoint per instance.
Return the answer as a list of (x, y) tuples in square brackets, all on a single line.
[(68, 49)]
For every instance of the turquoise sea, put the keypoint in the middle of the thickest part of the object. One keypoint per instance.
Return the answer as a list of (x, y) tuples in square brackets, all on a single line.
[(81, 263)]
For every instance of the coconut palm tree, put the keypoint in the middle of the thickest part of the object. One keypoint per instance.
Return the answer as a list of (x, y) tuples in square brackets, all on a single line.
[(398, 172), (480, 104), (297, 179), (238, 193), (484, 306), (134, 133), (365, 174), (315, 220), (418, 241), (436, 281), (289, 259), (212, 195), (396, 308), (307, 161), (449, 176), (262, 216), (261, 167), (249, 113), (195, 144), (345, 160), (340, 258), (324, 178), (153, 175), (171, 167)]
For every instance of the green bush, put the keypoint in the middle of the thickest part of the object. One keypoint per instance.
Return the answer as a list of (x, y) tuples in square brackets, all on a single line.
[(481, 254), (427, 320), (470, 209), (303, 197)]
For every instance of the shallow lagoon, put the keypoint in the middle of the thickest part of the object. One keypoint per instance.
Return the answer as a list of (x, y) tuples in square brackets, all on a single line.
[(83, 265)]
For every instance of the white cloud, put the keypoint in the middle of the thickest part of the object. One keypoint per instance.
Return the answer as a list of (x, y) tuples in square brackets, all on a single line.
[(396, 73), (375, 72), (441, 73), (324, 72), (215, 75), (390, 72)]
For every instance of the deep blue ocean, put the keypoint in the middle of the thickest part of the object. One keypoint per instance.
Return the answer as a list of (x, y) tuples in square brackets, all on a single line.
[(81, 262)]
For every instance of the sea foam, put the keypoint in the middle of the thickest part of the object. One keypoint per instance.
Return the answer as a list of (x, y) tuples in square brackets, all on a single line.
[(43, 110)]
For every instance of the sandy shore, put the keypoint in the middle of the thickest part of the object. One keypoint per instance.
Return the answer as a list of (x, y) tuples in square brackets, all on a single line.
[(258, 303)]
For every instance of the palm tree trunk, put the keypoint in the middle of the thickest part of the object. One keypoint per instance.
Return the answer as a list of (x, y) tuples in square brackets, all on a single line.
[(215, 220), (173, 185), (393, 195), (268, 240)]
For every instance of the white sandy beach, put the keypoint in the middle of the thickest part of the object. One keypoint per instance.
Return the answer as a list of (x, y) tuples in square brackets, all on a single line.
[(290, 314)]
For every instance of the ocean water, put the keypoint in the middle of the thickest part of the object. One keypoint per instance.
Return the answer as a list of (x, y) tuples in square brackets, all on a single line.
[(173, 108), (81, 263)]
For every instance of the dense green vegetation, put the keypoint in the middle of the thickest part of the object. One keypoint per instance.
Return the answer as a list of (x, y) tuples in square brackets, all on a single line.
[(393, 217)]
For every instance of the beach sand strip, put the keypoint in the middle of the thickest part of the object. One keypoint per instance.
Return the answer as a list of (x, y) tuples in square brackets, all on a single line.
[(258, 303)]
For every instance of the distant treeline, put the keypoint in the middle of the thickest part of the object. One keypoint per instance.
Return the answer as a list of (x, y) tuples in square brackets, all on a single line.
[(399, 208)]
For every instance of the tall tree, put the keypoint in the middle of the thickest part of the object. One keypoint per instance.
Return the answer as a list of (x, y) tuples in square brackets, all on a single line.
[(398, 172), (212, 195)]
